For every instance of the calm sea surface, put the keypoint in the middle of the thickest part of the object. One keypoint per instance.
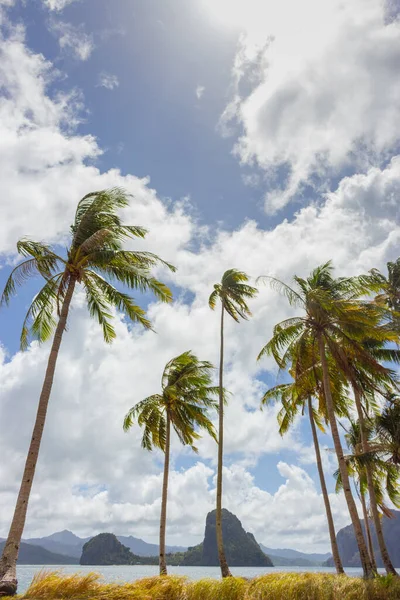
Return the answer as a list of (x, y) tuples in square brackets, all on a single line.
[(130, 573)]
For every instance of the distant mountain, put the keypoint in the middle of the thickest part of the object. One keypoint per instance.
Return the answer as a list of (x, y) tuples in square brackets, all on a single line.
[(30, 554), (66, 542), (63, 542), (281, 561), (348, 546), (142, 548), (241, 547), (296, 558)]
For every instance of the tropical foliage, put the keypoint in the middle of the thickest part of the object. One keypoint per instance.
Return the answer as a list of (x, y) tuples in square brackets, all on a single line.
[(340, 346), (96, 260), (339, 357), (186, 396), (233, 293)]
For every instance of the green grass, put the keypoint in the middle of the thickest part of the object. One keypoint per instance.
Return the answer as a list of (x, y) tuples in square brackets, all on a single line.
[(277, 586)]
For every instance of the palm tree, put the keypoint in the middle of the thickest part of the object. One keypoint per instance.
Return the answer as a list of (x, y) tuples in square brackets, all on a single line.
[(356, 468), (334, 321), (361, 366), (387, 427), (94, 259), (390, 292), (294, 398), (370, 467), (232, 292), (186, 396)]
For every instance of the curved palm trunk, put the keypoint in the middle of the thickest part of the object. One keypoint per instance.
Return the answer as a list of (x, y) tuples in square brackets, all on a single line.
[(225, 572), (371, 490), (368, 531), (331, 526), (163, 518), (8, 561), (362, 548)]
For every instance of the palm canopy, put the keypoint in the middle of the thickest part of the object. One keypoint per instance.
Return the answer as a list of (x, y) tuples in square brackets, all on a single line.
[(387, 425), (390, 286), (306, 373), (95, 258), (186, 397), (384, 474), (353, 329), (233, 291)]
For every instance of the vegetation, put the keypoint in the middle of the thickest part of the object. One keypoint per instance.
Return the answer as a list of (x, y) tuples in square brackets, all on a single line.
[(340, 353), (233, 293), (295, 398), (186, 396), (106, 549), (94, 259), (276, 586), (341, 338)]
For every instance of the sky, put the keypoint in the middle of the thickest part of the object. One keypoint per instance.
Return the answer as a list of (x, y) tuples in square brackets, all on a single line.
[(252, 135)]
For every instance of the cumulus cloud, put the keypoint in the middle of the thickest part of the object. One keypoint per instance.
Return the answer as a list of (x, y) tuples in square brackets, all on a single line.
[(91, 476), (73, 39), (108, 81), (316, 90)]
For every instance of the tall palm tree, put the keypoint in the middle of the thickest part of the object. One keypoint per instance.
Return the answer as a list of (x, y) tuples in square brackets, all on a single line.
[(356, 469), (370, 466), (334, 320), (94, 259), (361, 366), (232, 292), (294, 398), (186, 396)]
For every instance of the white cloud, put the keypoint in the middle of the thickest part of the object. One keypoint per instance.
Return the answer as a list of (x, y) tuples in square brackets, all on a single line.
[(324, 91), (57, 5), (108, 81), (90, 475), (200, 91), (73, 39)]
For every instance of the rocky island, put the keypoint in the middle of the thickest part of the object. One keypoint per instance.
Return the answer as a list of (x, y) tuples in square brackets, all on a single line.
[(105, 549)]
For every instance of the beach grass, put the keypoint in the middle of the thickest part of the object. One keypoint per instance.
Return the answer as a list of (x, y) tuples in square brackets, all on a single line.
[(276, 586)]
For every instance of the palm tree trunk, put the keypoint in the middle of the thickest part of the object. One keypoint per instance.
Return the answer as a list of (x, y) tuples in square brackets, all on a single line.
[(368, 530), (163, 518), (331, 526), (371, 489), (365, 561), (8, 561), (225, 572)]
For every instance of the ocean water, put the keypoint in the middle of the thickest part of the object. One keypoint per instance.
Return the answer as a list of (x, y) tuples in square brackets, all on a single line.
[(25, 573)]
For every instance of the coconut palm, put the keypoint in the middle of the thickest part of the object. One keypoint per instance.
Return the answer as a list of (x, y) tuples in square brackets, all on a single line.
[(387, 427), (95, 259), (233, 293), (361, 366), (356, 469), (390, 292), (334, 321), (294, 398), (185, 398), (367, 467)]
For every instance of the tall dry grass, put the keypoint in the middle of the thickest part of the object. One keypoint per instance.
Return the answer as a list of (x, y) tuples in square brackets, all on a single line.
[(275, 586)]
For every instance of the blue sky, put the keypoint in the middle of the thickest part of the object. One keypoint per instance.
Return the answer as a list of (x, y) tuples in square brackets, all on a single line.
[(268, 137)]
